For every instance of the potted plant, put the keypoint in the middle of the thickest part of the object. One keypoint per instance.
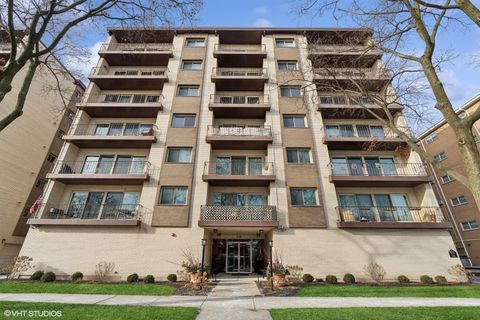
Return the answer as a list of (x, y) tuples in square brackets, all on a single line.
[(280, 271)]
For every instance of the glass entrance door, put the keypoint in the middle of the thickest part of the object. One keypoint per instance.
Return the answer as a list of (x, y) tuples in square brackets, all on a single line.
[(239, 257)]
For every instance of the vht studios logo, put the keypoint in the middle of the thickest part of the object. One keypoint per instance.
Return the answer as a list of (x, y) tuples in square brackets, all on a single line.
[(32, 313)]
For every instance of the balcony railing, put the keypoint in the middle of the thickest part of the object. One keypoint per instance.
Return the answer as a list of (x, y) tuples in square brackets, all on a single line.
[(378, 169), (240, 47), (240, 72), (224, 99), (352, 73), (240, 168), (102, 166), (130, 72), (343, 100), (123, 98), (264, 131), (238, 213), (389, 214), (360, 131), (114, 129), (343, 49), (137, 47)]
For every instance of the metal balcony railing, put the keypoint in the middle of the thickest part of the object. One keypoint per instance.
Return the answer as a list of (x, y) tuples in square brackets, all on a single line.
[(248, 167), (240, 47), (102, 166), (128, 72), (126, 98), (360, 131), (137, 47), (114, 129), (226, 99), (264, 131), (342, 48), (389, 214), (352, 73), (339, 99), (240, 72), (238, 213), (378, 169), (124, 211)]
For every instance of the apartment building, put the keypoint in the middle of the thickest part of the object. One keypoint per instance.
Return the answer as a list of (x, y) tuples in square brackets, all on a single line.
[(209, 133), (28, 148), (456, 201)]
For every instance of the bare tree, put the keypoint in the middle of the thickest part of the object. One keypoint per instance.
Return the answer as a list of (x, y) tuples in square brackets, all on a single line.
[(38, 29), (407, 33)]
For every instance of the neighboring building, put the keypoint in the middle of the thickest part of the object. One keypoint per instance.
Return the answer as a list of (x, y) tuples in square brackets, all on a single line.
[(28, 148), (206, 133), (455, 199)]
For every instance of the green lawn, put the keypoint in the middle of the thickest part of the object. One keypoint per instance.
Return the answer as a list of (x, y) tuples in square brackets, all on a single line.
[(95, 312), (86, 288), (460, 291), (410, 313)]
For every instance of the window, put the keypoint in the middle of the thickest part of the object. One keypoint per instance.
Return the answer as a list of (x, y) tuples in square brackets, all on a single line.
[(303, 196), (40, 184), (183, 121), (192, 65), (51, 158), (239, 199), (173, 195), (195, 42), (294, 121), (287, 65), (77, 96), (179, 155), (440, 156), (432, 137), (446, 179), (298, 155), (290, 91), (470, 225), (458, 201), (285, 43), (462, 115), (188, 91), (70, 114)]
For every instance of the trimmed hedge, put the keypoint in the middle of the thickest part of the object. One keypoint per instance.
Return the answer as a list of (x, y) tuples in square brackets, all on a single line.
[(403, 279), (307, 277), (133, 278), (149, 279), (49, 277), (331, 279), (440, 279), (349, 278), (425, 279), (77, 276), (37, 275), (172, 277)]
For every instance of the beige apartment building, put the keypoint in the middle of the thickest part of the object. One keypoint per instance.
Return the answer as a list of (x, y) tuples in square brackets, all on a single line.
[(28, 148), (211, 133), (456, 201)]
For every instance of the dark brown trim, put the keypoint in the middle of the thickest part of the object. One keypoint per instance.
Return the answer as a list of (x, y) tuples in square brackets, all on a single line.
[(100, 179), (248, 111), (239, 142), (121, 110), (82, 141), (238, 180), (116, 82)]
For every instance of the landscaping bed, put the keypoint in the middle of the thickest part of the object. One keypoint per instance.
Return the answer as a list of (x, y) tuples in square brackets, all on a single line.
[(187, 289), (289, 290)]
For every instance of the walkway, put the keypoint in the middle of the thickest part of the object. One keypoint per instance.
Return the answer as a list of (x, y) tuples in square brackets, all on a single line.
[(238, 298)]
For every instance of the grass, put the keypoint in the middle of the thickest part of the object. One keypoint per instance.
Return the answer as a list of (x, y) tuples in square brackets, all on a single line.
[(453, 291), (95, 312), (415, 313), (86, 288)]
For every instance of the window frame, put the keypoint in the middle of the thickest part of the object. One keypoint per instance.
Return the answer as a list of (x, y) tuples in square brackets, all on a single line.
[(469, 223), (457, 198), (192, 61), (284, 40), (288, 63), (303, 197), (451, 179), (175, 188), (184, 116), (169, 149), (188, 87), (290, 91), (431, 138), (194, 40), (438, 154), (293, 116), (297, 150)]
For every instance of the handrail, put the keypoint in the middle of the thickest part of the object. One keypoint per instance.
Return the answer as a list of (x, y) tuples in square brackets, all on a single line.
[(346, 130), (125, 98), (248, 168), (240, 47), (239, 131), (239, 99), (240, 72), (352, 72), (394, 169), (128, 72), (102, 166), (117, 129), (137, 47), (389, 214), (238, 213)]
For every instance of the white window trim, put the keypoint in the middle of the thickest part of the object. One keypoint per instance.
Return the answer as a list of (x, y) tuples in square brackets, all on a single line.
[(460, 204)]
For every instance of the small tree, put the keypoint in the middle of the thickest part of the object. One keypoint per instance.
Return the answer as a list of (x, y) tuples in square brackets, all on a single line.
[(17, 266), (375, 271), (103, 270)]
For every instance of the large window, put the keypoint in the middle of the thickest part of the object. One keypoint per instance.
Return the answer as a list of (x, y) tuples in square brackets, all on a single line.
[(195, 42), (179, 155), (188, 91), (303, 196), (440, 156), (446, 179), (192, 65), (173, 195), (470, 225), (297, 121), (298, 155), (183, 120), (123, 129), (239, 199), (290, 91), (107, 205), (285, 43), (458, 201), (287, 65)]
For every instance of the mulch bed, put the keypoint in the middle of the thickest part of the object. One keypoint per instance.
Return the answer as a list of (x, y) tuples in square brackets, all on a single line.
[(188, 289), (289, 290)]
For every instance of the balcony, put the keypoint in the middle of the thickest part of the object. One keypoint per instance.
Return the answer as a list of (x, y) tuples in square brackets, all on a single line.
[(370, 79), (107, 78), (241, 106), (239, 79), (238, 173), (391, 218), (239, 137), (240, 55), (122, 105), (113, 135), (343, 107), (344, 55), (90, 215), (361, 137), (4, 53), (378, 174), (238, 216), (136, 54), (101, 172)]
